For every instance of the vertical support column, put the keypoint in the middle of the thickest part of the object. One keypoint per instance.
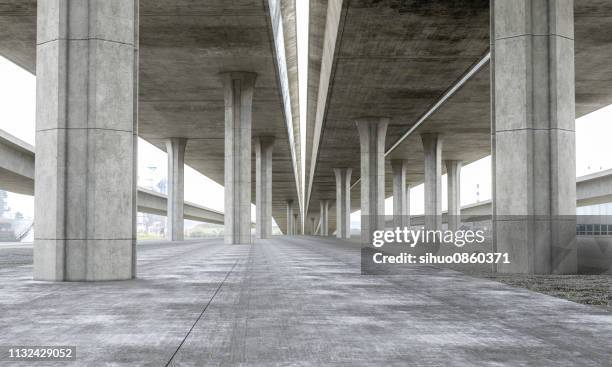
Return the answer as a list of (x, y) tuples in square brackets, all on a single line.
[(296, 225), (175, 148), (432, 149), (324, 229), (135, 95), (263, 186), (453, 176), (85, 140), (313, 225), (372, 133), (533, 125), (343, 202), (401, 194), (238, 108), (290, 224)]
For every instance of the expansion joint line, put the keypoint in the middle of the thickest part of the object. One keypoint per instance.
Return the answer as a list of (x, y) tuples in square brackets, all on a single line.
[(201, 314)]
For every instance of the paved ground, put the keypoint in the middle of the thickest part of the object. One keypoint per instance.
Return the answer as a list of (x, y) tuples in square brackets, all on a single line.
[(296, 302)]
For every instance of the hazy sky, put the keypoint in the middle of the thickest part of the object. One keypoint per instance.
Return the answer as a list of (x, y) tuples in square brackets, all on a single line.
[(17, 117)]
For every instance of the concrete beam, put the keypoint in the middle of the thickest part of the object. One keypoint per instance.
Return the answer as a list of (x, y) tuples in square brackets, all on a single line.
[(534, 149), (175, 147), (85, 124)]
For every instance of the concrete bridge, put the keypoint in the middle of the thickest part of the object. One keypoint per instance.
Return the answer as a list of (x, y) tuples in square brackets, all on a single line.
[(398, 93)]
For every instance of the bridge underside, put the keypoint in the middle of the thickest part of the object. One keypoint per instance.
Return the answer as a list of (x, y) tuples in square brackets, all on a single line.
[(184, 46), (397, 59)]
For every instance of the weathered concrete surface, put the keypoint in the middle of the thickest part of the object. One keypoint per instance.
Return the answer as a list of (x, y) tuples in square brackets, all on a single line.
[(238, 87), (533, 129), (401, 194), (453, 179), (184, 45), (372, 135), (297, 301), (85, 184), (175, 148), (263, 181), (432, 147), (343, 202)]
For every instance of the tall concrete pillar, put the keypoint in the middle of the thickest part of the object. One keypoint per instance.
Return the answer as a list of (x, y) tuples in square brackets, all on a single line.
[(290, 222), (401, 194), (372, 133), (432, 149), (534, 154), (453, 178), (263, 186), (85, 140), (238, 108), (296, 225), (313, 225), (343, 202), (175, 148), (324, 218)]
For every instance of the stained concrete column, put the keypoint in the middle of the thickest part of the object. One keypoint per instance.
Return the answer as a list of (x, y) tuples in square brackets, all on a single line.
[(296, 226), (401, 194), (372, 133), (238, 108), (313, 225), (453, 178), (432, 149), (324, 218), (343, 202), (534, 154), (85, 140), (263, 186), (175, 148), (290, 222)]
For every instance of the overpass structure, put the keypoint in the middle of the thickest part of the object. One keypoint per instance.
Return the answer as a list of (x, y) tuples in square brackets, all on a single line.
[(417, 89), (17, 168), (399, 92)]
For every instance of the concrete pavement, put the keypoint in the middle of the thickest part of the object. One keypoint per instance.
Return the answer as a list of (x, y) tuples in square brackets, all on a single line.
[(295, 301)]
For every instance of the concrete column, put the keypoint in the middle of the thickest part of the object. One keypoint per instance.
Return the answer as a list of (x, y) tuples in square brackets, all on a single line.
[(401, 194), (238, 107), (432, 149), (263, 185), (175, 148), (372, 133), (85, 140), (296, 225), (343, 202), (453, 175), (290, 224), (313, 225), (324, 229), (534, 154)]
